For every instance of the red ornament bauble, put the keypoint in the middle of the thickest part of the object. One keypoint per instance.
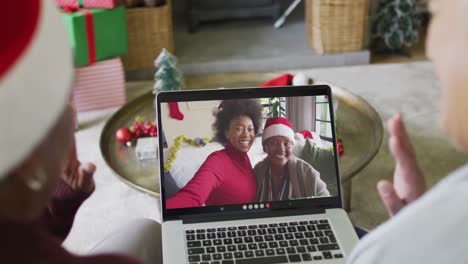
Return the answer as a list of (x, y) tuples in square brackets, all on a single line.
[(123, 135), (340, 147)]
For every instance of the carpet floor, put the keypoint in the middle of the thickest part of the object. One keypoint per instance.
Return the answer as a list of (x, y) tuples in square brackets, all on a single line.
[(249, 45)]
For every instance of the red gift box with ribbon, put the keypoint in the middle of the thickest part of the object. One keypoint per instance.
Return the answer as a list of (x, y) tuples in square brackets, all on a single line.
[(89, 3)]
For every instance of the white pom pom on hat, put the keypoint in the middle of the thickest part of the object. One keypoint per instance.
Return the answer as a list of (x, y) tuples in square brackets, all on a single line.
[(36, 74)]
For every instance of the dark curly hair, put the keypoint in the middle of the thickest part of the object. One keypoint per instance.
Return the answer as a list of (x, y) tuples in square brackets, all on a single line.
[(232, 109)]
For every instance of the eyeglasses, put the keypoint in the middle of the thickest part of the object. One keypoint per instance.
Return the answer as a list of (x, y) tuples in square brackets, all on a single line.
[(280, 143)]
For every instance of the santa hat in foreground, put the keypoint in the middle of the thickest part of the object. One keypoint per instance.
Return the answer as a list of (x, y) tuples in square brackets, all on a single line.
[(278, 126), (36, 74)]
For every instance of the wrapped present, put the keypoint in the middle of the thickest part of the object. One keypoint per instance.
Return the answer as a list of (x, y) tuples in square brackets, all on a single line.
[(89, 3), (96, 34), (147, 148), (99, 86)]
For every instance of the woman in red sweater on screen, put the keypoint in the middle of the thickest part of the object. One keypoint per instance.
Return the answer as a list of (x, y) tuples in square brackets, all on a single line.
[(226, 176), (42, 184)]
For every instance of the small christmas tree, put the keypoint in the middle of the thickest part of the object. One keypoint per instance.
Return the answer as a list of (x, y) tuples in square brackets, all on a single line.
[(168, 77), (396, 24)]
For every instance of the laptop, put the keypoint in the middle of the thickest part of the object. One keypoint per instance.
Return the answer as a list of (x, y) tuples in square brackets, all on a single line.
[(312, 229)]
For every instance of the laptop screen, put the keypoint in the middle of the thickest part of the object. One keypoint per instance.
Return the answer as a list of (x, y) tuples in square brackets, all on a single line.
[(247, 150)]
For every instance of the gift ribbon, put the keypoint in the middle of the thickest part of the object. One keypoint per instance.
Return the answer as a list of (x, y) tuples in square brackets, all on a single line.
[(76, 4), (89, 22)]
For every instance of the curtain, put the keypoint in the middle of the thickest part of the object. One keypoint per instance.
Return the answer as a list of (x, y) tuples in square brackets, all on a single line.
[(301, 112)]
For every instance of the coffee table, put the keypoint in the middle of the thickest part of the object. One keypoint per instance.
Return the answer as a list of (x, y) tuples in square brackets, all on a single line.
[(358, 123)]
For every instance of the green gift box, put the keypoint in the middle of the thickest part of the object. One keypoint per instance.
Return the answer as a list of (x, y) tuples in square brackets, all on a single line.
[(96, 34)]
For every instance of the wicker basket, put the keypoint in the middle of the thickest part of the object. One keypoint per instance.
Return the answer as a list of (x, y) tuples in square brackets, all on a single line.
[(149, 31), (336, 25)]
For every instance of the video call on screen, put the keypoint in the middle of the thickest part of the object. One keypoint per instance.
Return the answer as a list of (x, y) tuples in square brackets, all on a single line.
[(188, 144)]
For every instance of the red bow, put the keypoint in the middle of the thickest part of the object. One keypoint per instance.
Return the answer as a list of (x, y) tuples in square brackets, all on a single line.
[(70, 9), (89, 21)]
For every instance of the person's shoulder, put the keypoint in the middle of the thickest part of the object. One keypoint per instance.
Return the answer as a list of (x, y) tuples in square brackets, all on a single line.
[(458, 177), (426, 225), (261, 163), (218, 154), (216, 160), (302, 164), (299, 161)]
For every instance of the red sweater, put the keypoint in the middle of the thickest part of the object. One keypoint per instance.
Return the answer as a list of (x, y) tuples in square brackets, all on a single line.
[(40, 242), (226, 177)]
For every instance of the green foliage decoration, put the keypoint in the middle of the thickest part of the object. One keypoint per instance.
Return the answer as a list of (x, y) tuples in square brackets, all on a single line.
[(277, 109)]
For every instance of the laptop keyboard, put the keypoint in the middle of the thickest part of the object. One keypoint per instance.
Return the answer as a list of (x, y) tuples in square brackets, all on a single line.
[(265, 243)]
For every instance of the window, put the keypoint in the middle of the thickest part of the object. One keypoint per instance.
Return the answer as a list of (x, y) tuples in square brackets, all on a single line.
[(274, 107), (322, 118)]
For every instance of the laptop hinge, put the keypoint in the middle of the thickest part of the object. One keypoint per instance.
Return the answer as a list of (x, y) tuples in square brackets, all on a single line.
[(231, 217)]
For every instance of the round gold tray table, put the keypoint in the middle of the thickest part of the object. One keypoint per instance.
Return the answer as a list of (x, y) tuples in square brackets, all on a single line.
[(358, 123)]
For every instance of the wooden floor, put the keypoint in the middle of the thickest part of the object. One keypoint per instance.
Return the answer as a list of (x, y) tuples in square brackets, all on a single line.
[(417, 53)]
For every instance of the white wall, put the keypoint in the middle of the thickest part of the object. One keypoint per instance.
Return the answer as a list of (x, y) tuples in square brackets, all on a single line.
[(197, 122)]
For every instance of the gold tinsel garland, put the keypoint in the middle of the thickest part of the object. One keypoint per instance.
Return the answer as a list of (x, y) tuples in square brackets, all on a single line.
[(178, 143)]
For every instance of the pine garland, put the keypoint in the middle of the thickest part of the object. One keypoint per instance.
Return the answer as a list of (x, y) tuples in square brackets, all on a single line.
[(198, 141)]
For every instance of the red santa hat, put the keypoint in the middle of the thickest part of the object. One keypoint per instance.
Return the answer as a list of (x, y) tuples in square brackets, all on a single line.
[(278, 126), (36, 74)]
